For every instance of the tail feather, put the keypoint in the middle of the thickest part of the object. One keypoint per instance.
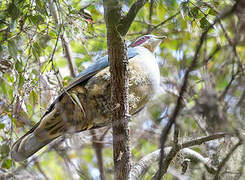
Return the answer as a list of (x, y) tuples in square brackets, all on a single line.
[(27, 146), (36, 138)]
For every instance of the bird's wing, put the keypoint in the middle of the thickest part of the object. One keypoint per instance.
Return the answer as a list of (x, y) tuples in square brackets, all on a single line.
[(87, 74), (28, 144)]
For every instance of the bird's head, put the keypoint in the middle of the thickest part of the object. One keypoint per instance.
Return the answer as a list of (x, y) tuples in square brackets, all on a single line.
[(148, 41)]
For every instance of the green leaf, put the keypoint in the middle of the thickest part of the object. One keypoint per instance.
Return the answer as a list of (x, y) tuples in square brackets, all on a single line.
[(21, 80), (171, 3), (61, 62), (216, 3), (43, 41), (155, 111), (33, 97), (12, 48), (37, 48), (53, 35), (204, 23), (184, 8), (29, 109), (10, 92), (18, 66), (2, 126), (39, 7), (194, 12), (3, 87), (35, 72), (212, 12), (12, 26), (35, 20), (13, 11), (7, 164), (5, 149)]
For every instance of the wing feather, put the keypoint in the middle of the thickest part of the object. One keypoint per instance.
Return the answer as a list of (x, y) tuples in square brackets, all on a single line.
[(87, 74)]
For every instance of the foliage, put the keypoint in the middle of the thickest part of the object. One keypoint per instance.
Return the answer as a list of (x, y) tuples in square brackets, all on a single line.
[(33, 67)]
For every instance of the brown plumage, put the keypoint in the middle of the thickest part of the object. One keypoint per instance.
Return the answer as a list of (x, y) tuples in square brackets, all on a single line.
[(85, 103)]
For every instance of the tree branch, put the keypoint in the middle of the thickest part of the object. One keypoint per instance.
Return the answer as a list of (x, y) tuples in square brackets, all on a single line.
[(169, 157), (150, 16), (68, 55), (221, 165), (195, 156), (119, 79), (201, 140), (127, 20), (65, 44), (175, 149), (178, 106), (166, 20), (37, 164), (142, 165), (98, 146), (233, 46)]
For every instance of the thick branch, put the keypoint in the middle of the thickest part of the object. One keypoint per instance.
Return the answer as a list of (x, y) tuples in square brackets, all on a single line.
[(119, 89), (129, 18), (141, 167), (117, 28), (195, 156)]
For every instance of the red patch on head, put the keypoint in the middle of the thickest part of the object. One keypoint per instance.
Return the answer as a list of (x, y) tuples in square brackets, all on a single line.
[(140, 41)]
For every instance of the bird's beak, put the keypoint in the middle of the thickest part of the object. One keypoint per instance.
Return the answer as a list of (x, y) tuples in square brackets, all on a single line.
[(162, 37)]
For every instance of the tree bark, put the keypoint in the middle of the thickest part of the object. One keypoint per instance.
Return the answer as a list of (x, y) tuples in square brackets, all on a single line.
[(117, 27), (118, 61)]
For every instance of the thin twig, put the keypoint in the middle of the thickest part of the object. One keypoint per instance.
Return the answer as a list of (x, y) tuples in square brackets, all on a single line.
[(201, 140), (150, 16), (233, 76), (227, 157), (217, 49), (233, 46), (37, 164), (98, 147), (68, 55), (165, 21), (142, 165), (176, 134)]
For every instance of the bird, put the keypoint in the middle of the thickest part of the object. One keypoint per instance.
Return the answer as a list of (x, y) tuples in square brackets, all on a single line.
[(85, 103)]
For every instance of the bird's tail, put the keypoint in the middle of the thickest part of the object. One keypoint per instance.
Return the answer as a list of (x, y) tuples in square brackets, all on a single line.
[(28, 144), (39, 136)]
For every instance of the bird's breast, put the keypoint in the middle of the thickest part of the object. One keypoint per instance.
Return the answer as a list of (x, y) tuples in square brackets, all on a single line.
[(144, 80)]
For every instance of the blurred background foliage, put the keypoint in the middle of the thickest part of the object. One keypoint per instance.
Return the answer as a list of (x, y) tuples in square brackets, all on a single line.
[(34, 68)]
